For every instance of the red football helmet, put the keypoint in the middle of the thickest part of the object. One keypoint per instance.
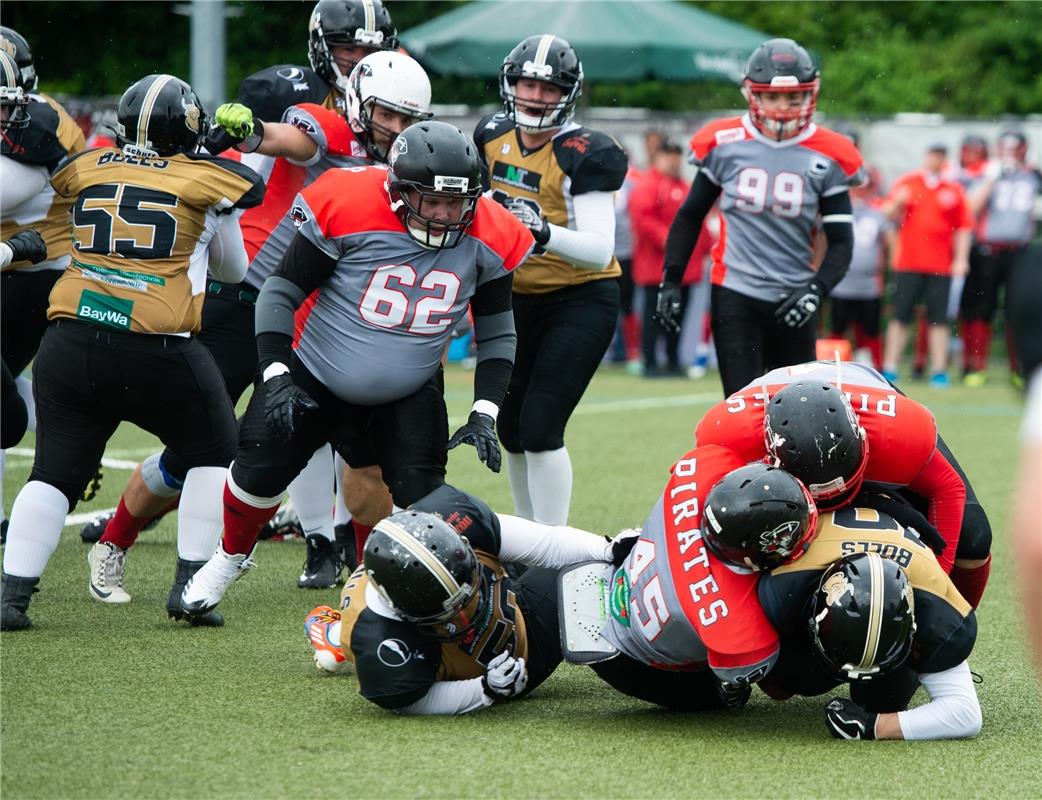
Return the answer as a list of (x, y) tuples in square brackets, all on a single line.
[(781, 66)]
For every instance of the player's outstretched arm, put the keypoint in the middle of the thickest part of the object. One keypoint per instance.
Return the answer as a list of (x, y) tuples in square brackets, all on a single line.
[(251, 135)]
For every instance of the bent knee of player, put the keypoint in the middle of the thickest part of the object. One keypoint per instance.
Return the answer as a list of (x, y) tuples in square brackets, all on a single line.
[(542, 431), (975, 536), (365, 494), (411, 483)]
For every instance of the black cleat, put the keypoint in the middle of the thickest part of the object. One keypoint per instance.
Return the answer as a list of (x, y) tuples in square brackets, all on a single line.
[(322, 566), (207, 619), (345, 545), (15, 594)]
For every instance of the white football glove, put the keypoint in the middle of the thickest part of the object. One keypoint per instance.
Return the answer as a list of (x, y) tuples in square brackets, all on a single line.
[(505, 677)]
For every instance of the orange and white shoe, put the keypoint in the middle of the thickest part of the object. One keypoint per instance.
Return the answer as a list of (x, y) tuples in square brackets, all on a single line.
[(322, 627)]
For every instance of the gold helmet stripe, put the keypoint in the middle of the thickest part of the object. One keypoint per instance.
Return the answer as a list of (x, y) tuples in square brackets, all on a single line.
[(543, 49), (433, 565), (875, 611), (10, 68), (146, 108), (370, 15)]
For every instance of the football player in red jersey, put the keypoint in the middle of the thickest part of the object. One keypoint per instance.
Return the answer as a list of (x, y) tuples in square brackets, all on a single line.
[(683, 628), (877, 435), (392, 92), (399, 254), (779, 178)]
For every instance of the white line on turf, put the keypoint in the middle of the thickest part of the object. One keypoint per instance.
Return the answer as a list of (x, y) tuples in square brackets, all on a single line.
[(106, 461), (86, 516)]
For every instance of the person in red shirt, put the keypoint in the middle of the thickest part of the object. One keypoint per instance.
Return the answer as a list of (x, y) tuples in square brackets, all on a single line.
[(653, 204), (876, 435), (933, 247)]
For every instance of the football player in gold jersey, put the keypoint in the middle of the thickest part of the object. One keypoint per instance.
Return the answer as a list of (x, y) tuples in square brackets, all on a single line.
[(148, 219), (431, 621), (558, 178)]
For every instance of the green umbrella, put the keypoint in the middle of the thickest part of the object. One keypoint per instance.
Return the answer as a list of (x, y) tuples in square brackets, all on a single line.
[(616, 41)]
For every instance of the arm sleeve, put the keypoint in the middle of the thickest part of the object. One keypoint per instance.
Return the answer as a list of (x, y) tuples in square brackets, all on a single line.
[(496, 339), (540, 545), (20, 182), (592, 244), (449, 697), (837, 217), (940, 483), (953, 711), (302, 270), (687, 225), (226, 253)]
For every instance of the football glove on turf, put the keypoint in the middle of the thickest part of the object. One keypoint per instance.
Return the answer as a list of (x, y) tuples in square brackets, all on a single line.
[(505, 677), (847, 720), (480, 431), (284, 402), (667, 306), (799, 307)]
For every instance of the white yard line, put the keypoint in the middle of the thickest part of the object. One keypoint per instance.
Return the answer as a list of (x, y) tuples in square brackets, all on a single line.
[(106, 461)]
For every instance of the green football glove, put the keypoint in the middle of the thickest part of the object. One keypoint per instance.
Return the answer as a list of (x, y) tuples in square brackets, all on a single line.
[(235, 119)]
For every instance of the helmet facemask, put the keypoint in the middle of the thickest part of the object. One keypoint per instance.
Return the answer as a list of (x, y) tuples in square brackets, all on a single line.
[(551, 115), (323, 36), (15, 105), (781, 123), (433, 233)]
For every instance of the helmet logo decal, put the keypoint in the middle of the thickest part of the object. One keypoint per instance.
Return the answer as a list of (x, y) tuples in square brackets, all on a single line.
[(393, 653), (298, 215), (451, 183), (711, 518), (835, 588), (779, 540), (537, 71), (291, 73), (8, 47), (192, 115), (399, 148)]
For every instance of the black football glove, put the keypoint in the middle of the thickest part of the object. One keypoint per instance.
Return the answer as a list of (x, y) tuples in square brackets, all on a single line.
[(848, 720), (284, 402), (800, 306), (872, 496), (480, 431), (733, 695), (667, 306), (621, 546), (505, 678), (530, 218), (27, 246)]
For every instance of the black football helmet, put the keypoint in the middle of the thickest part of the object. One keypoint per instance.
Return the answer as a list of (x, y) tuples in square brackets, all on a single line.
[(863, 616), (347, 23), (759, 516), (439, 162), (14, 99), (427, 572), (811, 430), (16, 46), (781, 65), (160, 115), (542, 58)]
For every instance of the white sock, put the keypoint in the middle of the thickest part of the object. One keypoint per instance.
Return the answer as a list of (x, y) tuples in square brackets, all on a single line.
[(200, 515), (312, 494), (37, 519), (517, 472), (550, 485), (341, 516), (25, 391)]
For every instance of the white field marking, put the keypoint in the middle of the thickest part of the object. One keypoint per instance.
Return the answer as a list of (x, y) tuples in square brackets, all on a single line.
[(106, 461), (636, 404), (86, 516)]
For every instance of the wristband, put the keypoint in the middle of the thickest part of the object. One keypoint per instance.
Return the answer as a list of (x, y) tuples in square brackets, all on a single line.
[(273, 371), (486, 407)]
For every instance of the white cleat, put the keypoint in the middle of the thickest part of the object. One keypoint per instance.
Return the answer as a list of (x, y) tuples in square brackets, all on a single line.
[(107, 563), (206, 588)]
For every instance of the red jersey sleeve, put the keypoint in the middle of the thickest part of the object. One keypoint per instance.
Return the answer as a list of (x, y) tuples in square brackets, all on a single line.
[(945, 491), (721, 131), (965, 216), (837, 147), (737, 424), (329, 130), (325, 206), (500, 231)]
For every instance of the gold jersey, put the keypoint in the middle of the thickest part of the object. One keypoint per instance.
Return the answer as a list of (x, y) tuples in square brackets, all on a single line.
[(575, 161), (51, 136), (140, 229)]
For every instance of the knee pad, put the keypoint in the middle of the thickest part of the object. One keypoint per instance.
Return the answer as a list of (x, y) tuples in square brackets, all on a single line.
[(975, 536), (538, 440), (158, 477), (509, 433)]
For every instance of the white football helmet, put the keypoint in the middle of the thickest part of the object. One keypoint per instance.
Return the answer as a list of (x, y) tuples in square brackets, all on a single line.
[(393, 81)]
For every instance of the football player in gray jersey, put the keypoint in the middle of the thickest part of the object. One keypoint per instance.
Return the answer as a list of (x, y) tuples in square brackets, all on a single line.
[(779, 179), (397, 256)]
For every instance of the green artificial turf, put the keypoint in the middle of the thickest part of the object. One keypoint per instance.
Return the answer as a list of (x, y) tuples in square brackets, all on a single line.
[(101, 701)]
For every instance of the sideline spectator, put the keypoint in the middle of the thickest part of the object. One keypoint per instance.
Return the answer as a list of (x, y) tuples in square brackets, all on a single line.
[(625, 346), (933, 244), (653, 204), (1003, 201)]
